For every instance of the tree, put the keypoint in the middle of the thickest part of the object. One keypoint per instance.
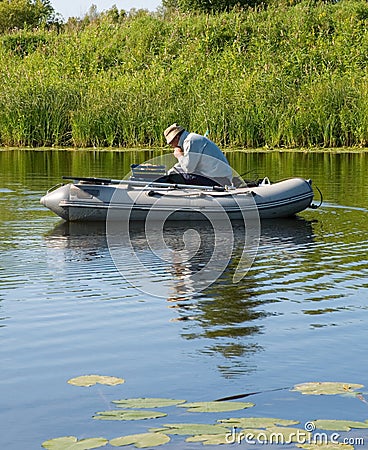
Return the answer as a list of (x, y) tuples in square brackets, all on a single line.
[(19, 14), (214, 6), (209, 6)]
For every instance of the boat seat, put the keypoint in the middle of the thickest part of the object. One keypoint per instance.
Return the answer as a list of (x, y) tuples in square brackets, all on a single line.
[(147, 172)]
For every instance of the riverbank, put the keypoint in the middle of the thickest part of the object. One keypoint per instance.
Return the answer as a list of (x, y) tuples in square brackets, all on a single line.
[(165, 150), (283, 77)]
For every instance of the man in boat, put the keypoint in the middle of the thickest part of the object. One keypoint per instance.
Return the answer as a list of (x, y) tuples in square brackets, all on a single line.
[(200, 161)]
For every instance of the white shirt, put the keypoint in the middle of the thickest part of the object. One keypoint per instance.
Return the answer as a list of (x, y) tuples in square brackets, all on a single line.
[(202, 157)]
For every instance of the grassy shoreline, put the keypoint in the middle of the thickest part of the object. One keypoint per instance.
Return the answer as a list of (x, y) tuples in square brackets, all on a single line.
[(340, 150), (280, 78)]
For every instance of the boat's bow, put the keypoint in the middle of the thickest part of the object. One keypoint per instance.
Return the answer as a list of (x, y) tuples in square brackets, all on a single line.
[(54, 198)]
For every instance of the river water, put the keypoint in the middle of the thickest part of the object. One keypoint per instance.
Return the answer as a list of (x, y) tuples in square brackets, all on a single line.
[(299, 315)]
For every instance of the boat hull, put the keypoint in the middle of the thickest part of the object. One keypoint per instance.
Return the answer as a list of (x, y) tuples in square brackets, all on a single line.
[(83, 202)]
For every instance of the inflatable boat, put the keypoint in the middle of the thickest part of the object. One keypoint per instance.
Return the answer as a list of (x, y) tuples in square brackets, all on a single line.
[(100, 199)]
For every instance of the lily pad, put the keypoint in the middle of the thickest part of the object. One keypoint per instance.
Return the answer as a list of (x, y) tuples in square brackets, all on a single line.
[(338, 425), (91, 380), (128, 415), (257, 422), (216, 406), (191, 429), (72, 443), (211, 439), (142, 440), (328, 446), (326, 388), (147, 402), (284, 435)]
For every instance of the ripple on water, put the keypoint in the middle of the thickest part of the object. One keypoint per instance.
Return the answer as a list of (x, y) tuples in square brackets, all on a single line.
[(299, 314)]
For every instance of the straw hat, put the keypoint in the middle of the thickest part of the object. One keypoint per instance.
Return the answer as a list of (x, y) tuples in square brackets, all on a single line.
[(172, 131)]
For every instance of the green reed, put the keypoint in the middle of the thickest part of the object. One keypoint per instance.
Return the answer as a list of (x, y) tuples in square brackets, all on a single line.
[(285, 76)]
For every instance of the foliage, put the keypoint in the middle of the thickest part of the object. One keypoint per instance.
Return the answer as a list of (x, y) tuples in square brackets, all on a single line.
[(210, 6), (216, 6), (146, 402), (292, 74), (19, 14), (264, 430), (91, 380), (128, 415), (24, 43), (191, 429), (257, 422), (340, 425), (143, 440), (72, 443), (326, 388), (215, 406)]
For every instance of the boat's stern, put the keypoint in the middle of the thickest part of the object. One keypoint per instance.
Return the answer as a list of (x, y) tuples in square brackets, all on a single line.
[(284, 198), (54, 199)]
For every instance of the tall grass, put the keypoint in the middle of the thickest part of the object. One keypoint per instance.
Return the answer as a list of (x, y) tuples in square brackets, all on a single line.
[(285, 76)]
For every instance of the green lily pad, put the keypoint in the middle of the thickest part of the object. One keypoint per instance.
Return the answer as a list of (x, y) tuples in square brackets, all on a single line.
[(72, 443), (142, 440), (257, 422), (128, 415), (191, 429), (326, 388), (91, 380), (328, 446), (215, 406), (147, 402), (284, 435), (210, 439), (338, 425)]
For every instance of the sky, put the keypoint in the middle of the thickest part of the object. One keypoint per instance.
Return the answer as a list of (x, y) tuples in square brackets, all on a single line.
[(78, 8)]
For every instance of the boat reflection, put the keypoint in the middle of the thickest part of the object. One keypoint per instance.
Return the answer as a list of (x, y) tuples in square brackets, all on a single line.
[(177, 261), (226, 316)]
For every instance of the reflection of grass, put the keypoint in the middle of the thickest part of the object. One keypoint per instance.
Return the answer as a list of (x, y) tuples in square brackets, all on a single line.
[(225, 431), (291, 75)]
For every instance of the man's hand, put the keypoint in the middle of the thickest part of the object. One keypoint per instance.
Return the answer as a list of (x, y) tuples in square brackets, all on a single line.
[(178, 152)]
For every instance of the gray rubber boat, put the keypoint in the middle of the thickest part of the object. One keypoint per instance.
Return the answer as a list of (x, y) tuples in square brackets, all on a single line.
[(99, 199)]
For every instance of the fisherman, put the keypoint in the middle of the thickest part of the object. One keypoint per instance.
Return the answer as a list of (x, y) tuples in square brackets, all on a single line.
[(200, 161)]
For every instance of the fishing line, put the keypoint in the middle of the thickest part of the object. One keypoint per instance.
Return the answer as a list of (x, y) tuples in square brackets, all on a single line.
[(234, 397)]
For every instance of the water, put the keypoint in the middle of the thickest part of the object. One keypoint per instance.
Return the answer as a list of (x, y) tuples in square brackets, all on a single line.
[(299, 315)]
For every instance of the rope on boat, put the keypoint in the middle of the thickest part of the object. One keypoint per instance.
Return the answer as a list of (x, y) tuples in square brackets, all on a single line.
[(184, 193), (53, 188), (313, 206)]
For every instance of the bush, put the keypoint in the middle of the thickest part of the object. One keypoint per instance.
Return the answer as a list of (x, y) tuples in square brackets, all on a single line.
[(285, 76), (19, 14)]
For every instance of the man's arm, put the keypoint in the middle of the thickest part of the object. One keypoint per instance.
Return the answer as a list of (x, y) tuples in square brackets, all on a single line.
[(191, 155), (178, 153)]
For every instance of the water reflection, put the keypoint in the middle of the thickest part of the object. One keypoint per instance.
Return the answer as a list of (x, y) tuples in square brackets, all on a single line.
[(227, 317), (86, 237), (88, 241)]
